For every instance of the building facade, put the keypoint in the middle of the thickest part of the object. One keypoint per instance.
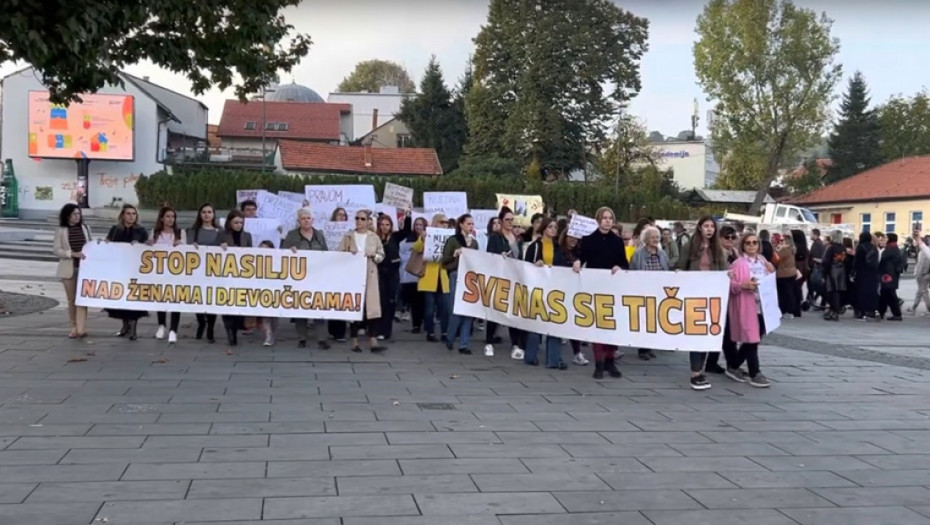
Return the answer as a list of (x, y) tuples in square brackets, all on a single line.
[(692, 162), (891, 198), (162, 120), (392, 134), (371, 110)]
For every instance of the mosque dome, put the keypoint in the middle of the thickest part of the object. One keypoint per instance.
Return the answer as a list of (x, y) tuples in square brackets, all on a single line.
[(293, 92)]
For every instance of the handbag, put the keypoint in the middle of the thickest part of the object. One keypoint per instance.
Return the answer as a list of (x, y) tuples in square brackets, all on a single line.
[(416, 265)]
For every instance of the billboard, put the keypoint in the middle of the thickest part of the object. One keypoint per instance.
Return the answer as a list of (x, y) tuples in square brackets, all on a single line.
[(99, 128)]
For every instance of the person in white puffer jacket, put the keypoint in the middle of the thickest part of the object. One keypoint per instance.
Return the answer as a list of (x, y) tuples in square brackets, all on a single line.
[(922, 274)]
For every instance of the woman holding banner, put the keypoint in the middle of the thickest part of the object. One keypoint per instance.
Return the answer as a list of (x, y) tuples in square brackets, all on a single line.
[(747, 326), (205, 231), (602, 249), (434, 285), (306, 238), (509, 244), (649, 257), (568, 246), (362, 241), (462, 240), (545, 252), (337, 329), (235, 236), (168, 235), (70, 238), (408, 281), (703, 254), (127, 229)]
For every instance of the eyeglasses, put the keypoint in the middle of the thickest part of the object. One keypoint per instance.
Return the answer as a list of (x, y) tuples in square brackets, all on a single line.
[(751, 243), (730, 237), (361, 218)]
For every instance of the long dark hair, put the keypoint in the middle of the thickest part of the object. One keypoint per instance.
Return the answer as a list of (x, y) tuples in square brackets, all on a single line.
[(64, 216), (800, 244), (198, 222), (697, 241), (233, 214), (459, 236), (160, 222)]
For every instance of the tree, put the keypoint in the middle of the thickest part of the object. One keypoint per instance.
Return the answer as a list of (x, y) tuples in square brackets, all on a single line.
[(79, 46), (371, 75), (742, 167), (769, 66), (625, 153), (545, 89), (807, 178), (854, 143), (904, 126), (435, 119)]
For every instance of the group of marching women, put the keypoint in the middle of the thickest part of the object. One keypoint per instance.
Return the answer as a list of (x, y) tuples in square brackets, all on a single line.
[(400, 277)]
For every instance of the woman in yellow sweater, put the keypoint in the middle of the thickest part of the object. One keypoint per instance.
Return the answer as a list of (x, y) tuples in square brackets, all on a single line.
[(434, 284)]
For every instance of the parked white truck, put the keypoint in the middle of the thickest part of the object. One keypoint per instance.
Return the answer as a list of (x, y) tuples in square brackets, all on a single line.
[(784, 217)]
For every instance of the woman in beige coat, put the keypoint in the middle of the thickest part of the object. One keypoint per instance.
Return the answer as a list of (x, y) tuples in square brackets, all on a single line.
[(70, 238), (365, 242)]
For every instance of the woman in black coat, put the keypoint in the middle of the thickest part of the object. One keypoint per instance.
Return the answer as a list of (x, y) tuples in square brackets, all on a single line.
[(234, 235), (389, 271), (127, 229), (866, 277)]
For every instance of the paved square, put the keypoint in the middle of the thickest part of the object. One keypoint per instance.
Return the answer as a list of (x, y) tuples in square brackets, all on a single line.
[(110, 431)]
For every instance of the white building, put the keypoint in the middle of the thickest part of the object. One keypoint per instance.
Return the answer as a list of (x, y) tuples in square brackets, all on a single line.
[(371, 110), (693, 163), (162, 120)]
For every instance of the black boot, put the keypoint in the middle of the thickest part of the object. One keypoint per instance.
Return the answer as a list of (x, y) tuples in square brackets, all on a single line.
[(610, 366), (201, 325), (132, 329), (598, 370), (124, 330), (210, 325), (231, 335)]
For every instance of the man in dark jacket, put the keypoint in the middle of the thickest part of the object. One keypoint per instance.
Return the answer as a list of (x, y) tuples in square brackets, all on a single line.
[(890, 268)]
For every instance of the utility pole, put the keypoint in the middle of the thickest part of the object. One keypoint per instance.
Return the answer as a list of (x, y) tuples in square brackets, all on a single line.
[(694, 120)]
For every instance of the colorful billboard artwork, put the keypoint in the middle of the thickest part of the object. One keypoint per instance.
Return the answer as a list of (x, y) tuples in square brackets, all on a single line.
[(99, 128)]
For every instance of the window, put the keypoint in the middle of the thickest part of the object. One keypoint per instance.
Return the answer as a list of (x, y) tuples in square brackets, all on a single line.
[(404, 141), (890, 222), (816, 216), (271, 126), (866, 220), (282, 126), (917, 220), (250, 126), (836, 218), (781, 212)]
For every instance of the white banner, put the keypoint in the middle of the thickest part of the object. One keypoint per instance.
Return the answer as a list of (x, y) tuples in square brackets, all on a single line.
[(299, 198), (768, 298), (247, 195), (263, 230), (668, 311), (326, 198), (450, 203), (334, 231), (258, 282), (435, 241), (397, 196), (270, 206), (482, 218), (580, 226)]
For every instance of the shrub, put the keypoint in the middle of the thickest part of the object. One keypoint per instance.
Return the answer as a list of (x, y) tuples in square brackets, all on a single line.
[(187, 189)]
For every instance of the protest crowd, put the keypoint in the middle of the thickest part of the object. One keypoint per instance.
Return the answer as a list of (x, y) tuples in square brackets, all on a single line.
[(415, 261)]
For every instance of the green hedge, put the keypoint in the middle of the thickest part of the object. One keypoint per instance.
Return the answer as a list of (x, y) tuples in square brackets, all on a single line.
[(188, 189)]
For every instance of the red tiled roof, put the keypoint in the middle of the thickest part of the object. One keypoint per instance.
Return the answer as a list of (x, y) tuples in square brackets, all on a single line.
[(305, 121), (899, 179), (310, 156)]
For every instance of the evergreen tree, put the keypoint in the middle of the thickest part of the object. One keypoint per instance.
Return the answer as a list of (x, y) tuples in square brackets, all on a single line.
[(854, 145), (434, 117)]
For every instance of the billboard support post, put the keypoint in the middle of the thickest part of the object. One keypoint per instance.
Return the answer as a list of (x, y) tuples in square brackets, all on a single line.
[(83, 182)]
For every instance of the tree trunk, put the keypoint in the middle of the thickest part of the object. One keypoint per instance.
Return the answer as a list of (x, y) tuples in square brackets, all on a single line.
[(771, 172)]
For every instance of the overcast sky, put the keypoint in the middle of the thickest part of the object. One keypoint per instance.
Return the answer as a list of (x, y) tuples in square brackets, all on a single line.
[(888, 41)]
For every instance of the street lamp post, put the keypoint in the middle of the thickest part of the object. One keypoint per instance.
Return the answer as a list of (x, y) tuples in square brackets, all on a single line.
[(263, 125)]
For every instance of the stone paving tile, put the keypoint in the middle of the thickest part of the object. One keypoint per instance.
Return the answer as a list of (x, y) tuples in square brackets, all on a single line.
[(584, 465), (548, 482), (416, 438), (340, 506), (724, 517), (592, 518), (27, 443), (261, 488), (875, 496), (353, 467), (494, 504), (48, 513), (759, 498), (409, 484), (15, 492), (130, 455), (423, 451), (462, 466), (31, 457), (665, 481), (53, 473), (887, 478), (420, 520), (315, 452), (626, 500), (156, 471), (168, 511), (109, 491), (789, 479), (857, 516), (812, 463)]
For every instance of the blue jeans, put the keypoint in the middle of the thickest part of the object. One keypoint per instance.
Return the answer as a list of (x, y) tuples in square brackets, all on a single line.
[(553, 349), (457, 323), (434, 303)]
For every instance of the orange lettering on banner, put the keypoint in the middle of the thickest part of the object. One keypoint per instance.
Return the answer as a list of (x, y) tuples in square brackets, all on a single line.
[(695, 316), (584, 312), (604, 310), (102, 289), (491, 292)]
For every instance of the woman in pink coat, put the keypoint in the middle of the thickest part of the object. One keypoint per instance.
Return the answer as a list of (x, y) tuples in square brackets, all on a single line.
[(746, 323)]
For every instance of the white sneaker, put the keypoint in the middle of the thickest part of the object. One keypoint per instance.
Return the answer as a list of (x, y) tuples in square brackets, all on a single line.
[(380, 338), (517, 353), (618, 354), (580, 360), (489, 350), (172, 337), (160, 333)]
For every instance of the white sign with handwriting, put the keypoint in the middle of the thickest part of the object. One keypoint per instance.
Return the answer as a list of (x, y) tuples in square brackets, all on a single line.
[(435, 241), (581, 226), (270, 206), (397, 195), (451, 203)]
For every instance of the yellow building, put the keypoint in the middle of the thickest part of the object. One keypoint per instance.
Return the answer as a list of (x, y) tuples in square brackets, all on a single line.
[(893, 197)]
